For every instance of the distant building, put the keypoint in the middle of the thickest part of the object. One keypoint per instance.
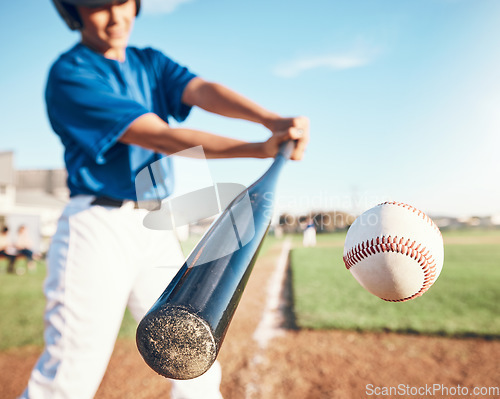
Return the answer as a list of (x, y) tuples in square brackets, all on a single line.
[(495, 220), (325, 222), (453, 223), (447, 222), (34, 198)]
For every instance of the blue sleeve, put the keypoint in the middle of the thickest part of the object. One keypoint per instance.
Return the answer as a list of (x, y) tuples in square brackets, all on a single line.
[(85, 111), (173, 79)]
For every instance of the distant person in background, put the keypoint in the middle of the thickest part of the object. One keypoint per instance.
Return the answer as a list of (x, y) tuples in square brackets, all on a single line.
[(309, 239), (24, 246), (7, 250)]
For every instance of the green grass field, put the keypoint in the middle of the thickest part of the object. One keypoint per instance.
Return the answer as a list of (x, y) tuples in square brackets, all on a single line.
[(22, 303), (464, 301)]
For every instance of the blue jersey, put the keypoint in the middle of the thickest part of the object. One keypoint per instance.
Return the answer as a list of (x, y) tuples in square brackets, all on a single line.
[(91, 100)]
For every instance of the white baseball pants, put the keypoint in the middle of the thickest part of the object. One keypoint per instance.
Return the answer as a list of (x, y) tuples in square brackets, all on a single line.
[(101, 260)]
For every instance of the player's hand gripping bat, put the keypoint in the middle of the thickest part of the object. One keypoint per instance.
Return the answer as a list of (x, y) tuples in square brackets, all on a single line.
[(182, 333)]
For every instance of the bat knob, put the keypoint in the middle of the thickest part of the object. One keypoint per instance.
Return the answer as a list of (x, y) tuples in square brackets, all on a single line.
[(176, 343)]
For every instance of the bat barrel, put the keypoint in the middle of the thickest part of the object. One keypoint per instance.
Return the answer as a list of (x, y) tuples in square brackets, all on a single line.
[(181, 334), (176, 343)]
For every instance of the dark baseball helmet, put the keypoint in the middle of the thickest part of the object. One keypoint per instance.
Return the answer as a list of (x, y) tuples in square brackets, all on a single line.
[(67, 10)]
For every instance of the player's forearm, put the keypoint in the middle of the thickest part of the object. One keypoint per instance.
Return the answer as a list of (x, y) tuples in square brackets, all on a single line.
[(214, 146), (218, 99), (149, 131)]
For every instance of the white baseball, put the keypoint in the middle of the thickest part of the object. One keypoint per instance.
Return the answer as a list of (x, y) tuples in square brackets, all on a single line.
[(395, 251)]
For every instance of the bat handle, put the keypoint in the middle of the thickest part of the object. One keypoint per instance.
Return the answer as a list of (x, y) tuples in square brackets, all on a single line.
[(286, 149)]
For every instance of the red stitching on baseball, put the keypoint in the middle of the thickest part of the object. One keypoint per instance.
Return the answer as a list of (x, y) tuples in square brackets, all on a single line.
[(388, 244)]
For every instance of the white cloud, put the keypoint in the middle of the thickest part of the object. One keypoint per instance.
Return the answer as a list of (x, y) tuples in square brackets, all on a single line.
[(161, 6), (294, 68)]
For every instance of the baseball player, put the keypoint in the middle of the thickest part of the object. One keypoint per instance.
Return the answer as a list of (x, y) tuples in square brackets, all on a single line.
[(111, 104), (7, 249)]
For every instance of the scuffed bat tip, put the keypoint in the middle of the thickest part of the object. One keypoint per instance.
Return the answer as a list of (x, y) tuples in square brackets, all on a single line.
[(176, 343)]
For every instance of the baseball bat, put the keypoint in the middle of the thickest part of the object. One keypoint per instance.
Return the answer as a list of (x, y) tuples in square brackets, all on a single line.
[(181, 335)]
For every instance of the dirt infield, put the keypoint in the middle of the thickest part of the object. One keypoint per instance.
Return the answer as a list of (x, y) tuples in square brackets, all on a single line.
[(300, 364)]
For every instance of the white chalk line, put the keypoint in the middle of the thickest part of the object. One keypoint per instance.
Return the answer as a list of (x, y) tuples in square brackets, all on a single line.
[(269, 325)]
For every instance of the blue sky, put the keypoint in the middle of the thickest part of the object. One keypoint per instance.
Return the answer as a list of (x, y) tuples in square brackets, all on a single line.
[(403, 96)]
